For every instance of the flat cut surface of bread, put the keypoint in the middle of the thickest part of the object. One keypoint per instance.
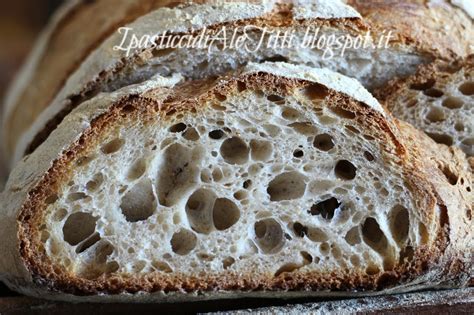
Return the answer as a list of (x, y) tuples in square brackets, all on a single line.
[(275, 181), (439, 100), (107, 70)]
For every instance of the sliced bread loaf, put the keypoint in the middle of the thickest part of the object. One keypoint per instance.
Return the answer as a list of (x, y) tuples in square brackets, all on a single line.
[(107, 69), (78, 28), (279, 180), (439, 100)]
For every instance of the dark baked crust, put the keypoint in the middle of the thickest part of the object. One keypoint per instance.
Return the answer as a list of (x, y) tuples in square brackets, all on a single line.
[(429, 259)]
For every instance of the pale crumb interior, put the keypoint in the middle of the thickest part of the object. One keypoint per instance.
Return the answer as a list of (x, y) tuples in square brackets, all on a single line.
[(289, 185), (443, 107)]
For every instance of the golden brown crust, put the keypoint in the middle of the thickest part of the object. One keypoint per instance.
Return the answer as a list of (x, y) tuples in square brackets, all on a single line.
[(427, 258), (436, 26), (280, 17)]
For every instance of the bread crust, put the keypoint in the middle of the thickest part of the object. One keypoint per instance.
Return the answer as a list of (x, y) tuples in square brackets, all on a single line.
[(77, 29), (92, 74), (437, 26), (442, 262)]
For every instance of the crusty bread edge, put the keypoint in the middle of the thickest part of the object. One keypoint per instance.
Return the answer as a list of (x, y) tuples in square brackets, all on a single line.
[(29, 173), (105, 58), (24, 75)]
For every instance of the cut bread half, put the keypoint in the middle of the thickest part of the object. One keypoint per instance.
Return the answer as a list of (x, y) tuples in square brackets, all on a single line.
[(106, 69), (439, 100), (278, 180)]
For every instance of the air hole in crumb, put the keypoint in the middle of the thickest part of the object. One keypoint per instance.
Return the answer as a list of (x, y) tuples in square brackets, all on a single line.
[(82, 247), (241, 86), (450, 175), (191, 134), (78, 227), (95, 182), (60, 214), (433, 92), (269, 235), (261, 150), (139, 203), (452, 102), (299, 229), (459, 126), (316, 92), (84, 160), (179, 173), (316, 234), (325, 208), (276, 58), (290, 114), (51, 199), (375, 238), (287, 186), (113, 146), (161, 266), (240, 195), (372, 269), (423, 85), (235, 151), (305, 128), (76, 196), (441, 138), (343, 113), (369, 157), (352, 236), (137, 170), (287, 268), (216, 134), (227, 262), (180, 127), (199, 210), (183, 242), (298, 153), (399, 223), (345, 170), (225, 214), (220, 97), (276, 98), (323, 142), (306, 257), (467, 88), (435, 115), (247, 184)]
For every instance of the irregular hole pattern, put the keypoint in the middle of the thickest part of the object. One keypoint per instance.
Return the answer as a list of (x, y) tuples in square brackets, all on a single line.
[(193, 198), (440, 107)]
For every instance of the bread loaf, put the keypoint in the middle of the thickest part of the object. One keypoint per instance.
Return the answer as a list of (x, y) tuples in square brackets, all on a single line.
[(105, 69), (277, 180), (439, 100)]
